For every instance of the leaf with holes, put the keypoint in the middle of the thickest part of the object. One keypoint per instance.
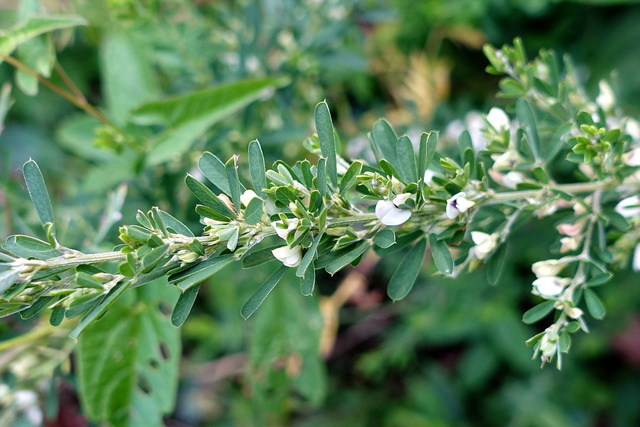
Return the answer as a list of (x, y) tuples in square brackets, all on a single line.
[(128, 360)]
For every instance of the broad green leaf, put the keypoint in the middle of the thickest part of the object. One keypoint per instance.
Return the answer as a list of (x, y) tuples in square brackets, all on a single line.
[(262, 293), (215, 171), (188, 116), (308, 281), (557, 141), (253, 212), (128, 361), (29, 247), (407, 160), (259, 257), (324, 127), (309, 256), (428, 143), (257, 168), (349, 177), (8, 278), (201, 272), (206, 196), (322, 176), (538, 312), (407, 272), (464, 142), (527, 117), (384, 238), (153, 257), (38, 191), (175, 225), (594, 305), (235, 188), (39, 55), (386, 141), (441, 255), (184, 305), (345, 258), (36, 307), (495, 265), (34, 26), (57, 316), (128, 78), (77, 133)]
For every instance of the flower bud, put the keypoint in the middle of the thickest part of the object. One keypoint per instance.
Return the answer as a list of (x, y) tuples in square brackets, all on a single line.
[(484, 243), (550, 287), (547, 268), (247, 196), (291, 257)]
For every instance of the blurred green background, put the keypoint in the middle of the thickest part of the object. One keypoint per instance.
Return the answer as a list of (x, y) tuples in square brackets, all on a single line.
[(450, 354)]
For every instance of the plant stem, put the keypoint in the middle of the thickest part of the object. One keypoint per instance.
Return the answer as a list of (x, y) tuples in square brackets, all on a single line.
[(86, 259), (79, 102), (573, 188)]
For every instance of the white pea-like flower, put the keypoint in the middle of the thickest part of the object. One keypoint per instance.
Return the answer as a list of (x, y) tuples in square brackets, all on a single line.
[(635, 264), (484, 243), (498, 119), (632, 158), (458, 204), (283, 229), (290, 257), (550, 286), (388, 212), (512, 179), (547, 268), (629, 207), (605, 98), (247, 196)]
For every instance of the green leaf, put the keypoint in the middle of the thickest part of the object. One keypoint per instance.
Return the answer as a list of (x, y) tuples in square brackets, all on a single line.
[(407, 272), (324, 127), (38, 191), (34, 26), (253, 212), (99, 309), (257, 168), (527, 117), (322, 176), (30, 247), (385, 141), (153, 257), (538, 312), (407, 160), (235, 187), (428, 143), (8, 278), (308, 280), (174, 224), (262, 293), (259, 257), (184, 305), (495, 265), (309, 256), (594, 304), (347, 257), (36, 307), (201, 272), (188, 116), (441, 255), (128, 361), (128, 79), (57, 316), (206, 196), (349, 177), (215, 171), (384, 238)]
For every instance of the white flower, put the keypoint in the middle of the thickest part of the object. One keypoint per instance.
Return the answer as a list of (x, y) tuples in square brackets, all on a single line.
[(632, 158), (636, 259), (283, 229), (547, 268), (484, 243), (506, 160), (428, 177), (247, 196), (512, 179), (605, 98), (550, 286), (568, 244), (458, 204), (290, 257), (629, 207), (498, 119), (389, 213), (632, 127)]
